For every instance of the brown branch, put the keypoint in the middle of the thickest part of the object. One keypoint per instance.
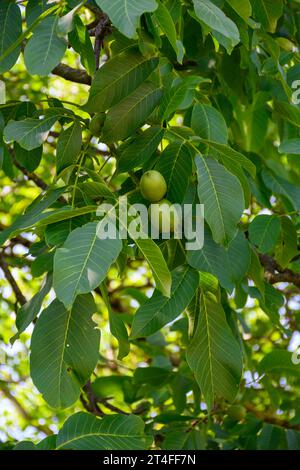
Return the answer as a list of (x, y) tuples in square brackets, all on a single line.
[(102, 29), (71, 74), (91, 404), (111, 407), (17, 291), (30, 175), (33, 177), (270, 418), (275, 273)]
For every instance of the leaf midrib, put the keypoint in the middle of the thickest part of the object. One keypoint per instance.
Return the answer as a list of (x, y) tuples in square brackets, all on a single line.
[(98, 434), (167, 300), (216, 196)]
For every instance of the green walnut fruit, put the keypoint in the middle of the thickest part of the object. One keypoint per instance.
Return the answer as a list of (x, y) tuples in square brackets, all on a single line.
[(237, 412), (153, 186), (163, 217), (96, 124)]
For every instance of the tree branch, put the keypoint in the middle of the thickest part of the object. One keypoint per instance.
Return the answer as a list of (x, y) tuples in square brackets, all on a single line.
[(275, 273), (271, 419), (90, 404), (102, 29), (71, 74), (30, 175), (17, 291)]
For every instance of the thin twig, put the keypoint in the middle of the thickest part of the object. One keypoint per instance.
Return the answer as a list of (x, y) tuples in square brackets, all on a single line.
[(17, 291)]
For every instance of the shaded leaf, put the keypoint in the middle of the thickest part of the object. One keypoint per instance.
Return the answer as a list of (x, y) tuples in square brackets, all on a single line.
[(83, 431), (222, 195), (216, 20), (141, 149), (125, 14), (30, 133), (45, 48), (125, 117), (68, 146), (10, 30), (117, 78), (214, 354), (264, 232), (208, 123), (159, 310), (175, 164), (267, 12), (64, 350), (82, 263), (29, 311)]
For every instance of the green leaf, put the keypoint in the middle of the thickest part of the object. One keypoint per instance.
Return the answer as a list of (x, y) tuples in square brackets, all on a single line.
[(34, 9), (81, 43), (25, 445), (141, 149), (45, 48), (288, 112), (10, 30), (214, 354), (166, 24), (208, 123), (229, 266), (68, 146), (222, 195), (228, 154), (96, 190), (157, 264), (125, 14), (270, 437), (215, 19), (271, 303), (29, 311), (293, 439), (119, 331), (64, 213), (179, 96), (117, 326), (82, 263), (282, 187), (154, 376), (33, 214), (125, 117), (29, 159), (57, 233), (83, 431), (280, 362), (118, 78), (64, 350), (290, 146), (267, 12), (175, 164), (48, 443), (256, 272), (287, 247), (66, 23), (256, 121), (30, 133), (264, 232), (159, 310), (242, 7)]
